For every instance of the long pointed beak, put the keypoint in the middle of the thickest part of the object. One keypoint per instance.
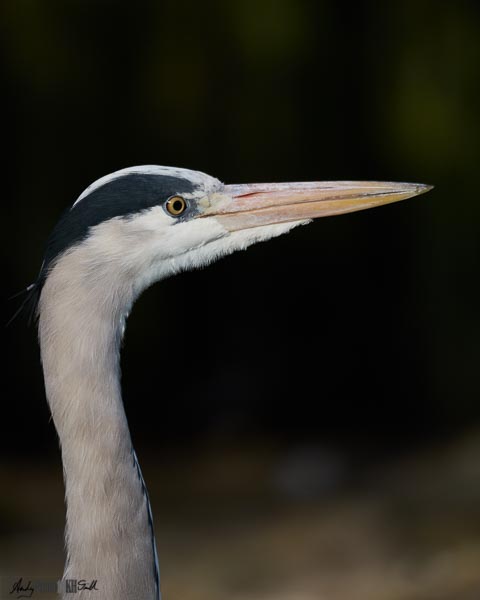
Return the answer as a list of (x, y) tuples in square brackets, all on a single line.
[(253, 205)]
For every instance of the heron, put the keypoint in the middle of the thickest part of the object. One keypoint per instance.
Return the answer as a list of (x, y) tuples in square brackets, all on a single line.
[(126, 231)]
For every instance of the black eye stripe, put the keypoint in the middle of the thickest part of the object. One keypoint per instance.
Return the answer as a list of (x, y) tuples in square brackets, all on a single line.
[(123, 197)]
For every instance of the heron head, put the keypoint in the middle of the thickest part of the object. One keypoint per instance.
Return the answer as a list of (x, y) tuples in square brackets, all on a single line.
[(141, 224)]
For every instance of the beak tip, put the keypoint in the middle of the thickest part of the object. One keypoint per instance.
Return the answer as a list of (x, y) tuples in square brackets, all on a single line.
[(423, 188)]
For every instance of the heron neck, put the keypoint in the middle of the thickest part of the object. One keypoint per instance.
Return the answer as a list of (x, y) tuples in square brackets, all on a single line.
[(109, 532)]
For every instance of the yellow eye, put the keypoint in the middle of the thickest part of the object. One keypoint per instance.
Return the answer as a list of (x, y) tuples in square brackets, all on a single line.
[(176, 205)]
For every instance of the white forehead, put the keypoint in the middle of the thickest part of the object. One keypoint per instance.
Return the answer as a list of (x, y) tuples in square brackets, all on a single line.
[(196, 177)]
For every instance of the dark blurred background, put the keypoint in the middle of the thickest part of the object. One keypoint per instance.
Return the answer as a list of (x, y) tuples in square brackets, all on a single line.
[(328, 367)]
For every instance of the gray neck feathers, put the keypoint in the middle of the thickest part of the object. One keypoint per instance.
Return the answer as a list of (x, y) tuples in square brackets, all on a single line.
[(109, 530)]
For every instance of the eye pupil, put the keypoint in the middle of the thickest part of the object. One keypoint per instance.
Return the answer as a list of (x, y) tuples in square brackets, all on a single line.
[(176, 205)]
